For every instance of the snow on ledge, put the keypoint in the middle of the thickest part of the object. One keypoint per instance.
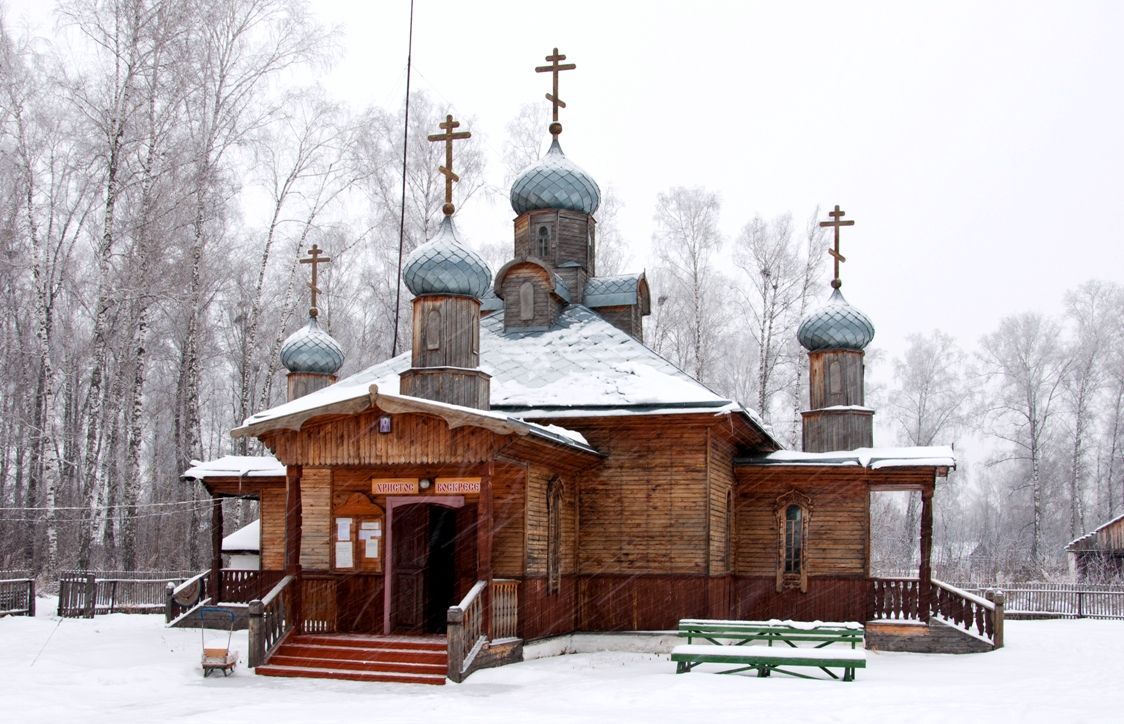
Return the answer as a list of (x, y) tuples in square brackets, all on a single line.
[(873, 458), (249, 466)]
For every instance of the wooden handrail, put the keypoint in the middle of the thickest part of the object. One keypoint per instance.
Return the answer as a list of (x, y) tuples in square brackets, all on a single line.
[(270, 621), (464, 631), (902, 599)]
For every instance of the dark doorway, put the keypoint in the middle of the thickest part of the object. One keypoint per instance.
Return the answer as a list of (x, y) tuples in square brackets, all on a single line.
[(424, 568)]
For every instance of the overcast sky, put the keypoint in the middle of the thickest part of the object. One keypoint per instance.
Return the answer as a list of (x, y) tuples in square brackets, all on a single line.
[(978, 145)]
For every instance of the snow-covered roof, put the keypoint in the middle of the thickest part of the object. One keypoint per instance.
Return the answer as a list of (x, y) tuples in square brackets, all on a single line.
[(246, 538), (872, 458), (249, 466), (581, 364), (614, 291), (1088, 539), (354, 399)]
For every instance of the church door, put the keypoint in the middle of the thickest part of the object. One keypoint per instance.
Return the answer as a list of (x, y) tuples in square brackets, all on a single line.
[(424, 568)]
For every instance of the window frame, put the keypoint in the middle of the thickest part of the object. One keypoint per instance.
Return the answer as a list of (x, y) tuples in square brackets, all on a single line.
[(786, 577)]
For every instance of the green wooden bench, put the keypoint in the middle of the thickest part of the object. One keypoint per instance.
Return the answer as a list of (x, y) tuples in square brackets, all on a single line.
[(767, 646)]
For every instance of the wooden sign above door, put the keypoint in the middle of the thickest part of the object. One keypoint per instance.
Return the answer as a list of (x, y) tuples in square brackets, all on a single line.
[(457, 486), (394, 486)]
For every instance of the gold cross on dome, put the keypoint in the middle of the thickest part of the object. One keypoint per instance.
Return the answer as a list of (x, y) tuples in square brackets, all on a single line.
[(837, 221), (448, 137), (315, 260), (554, 69)]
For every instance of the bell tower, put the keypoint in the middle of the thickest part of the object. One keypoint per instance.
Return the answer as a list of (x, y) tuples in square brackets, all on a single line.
[(835, 336)]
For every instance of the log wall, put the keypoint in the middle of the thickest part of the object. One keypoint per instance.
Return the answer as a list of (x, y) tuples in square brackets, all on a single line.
[(838, 528), (643, 510), (829, 598), (316, 510), (273, 528)]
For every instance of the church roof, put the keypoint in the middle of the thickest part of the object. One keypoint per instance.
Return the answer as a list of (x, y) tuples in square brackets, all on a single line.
[(835, 325), (444, 265), (555, 182), (580, 365), (616, 291), (311, 349)]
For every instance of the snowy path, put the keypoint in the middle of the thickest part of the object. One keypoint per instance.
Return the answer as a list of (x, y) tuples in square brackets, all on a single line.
[(131, 669)]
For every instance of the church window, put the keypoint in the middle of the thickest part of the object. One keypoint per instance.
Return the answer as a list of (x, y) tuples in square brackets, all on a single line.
[(554, 536), (526, 301), (792, 539), (834, 381), (542, 247), (433, 329), (793, 510)]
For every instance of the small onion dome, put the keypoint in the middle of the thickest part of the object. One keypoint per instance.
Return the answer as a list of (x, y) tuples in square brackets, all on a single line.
[(311, 349), (445, 266), (555, 182), (835, 325)]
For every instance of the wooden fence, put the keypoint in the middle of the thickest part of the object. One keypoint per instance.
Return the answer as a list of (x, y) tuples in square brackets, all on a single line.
[(17, 597), (1061, 600), (84, 594)]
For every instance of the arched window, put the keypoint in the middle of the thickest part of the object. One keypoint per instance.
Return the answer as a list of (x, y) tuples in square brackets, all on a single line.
[(527, 301), (793, 539), (553, 537), (433, 329), (835, 382), (793, 510), (542, 247)]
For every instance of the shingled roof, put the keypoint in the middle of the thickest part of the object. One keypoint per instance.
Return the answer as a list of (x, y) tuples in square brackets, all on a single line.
[(580, 365)]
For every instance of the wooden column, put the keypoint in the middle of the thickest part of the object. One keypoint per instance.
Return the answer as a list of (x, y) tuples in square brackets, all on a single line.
[(293, 535), (925, 573), (216, 549), (484, 543)]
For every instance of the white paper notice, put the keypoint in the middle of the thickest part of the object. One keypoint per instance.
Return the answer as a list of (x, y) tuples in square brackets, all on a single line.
[(372, 550), (343, 555), (343, 528)]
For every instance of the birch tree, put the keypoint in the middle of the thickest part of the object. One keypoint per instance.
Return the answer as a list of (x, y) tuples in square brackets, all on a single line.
[(1024, 359), (686, 240)]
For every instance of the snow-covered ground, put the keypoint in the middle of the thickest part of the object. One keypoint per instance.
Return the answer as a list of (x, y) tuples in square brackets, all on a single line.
[(124, 668)]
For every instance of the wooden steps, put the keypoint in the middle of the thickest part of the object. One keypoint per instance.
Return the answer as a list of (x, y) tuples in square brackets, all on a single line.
[(402, 659)]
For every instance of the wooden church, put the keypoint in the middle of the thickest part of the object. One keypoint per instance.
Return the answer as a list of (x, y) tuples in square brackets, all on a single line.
[(530, 468)]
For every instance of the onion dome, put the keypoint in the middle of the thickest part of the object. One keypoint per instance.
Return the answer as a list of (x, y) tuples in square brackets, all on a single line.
[(555, 182), (311, 349), (445, 266), (835, 325)]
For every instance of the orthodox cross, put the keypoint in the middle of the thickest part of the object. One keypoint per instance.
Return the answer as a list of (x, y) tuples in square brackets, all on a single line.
[(314, 259), (554, 69), (837, 221), (448, 137)]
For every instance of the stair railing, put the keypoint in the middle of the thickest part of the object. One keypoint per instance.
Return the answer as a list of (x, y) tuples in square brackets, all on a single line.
[(270, 620), (976, 615), (180, 599), (901, 599), (465, 631)]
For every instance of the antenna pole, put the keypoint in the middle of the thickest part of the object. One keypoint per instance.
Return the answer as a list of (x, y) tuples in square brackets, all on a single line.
[(402, 212)]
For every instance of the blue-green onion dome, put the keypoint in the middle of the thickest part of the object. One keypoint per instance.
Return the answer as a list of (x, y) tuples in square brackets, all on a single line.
[(445, 266), (555, 182), (835, 325), (311, 349)]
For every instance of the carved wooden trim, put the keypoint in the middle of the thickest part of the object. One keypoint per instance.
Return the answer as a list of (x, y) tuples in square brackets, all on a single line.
[(787, 581)]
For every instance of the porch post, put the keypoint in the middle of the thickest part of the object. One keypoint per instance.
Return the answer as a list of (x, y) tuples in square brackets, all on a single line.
[(484, 544), (925, 572), (216, 549), (293, 534)]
